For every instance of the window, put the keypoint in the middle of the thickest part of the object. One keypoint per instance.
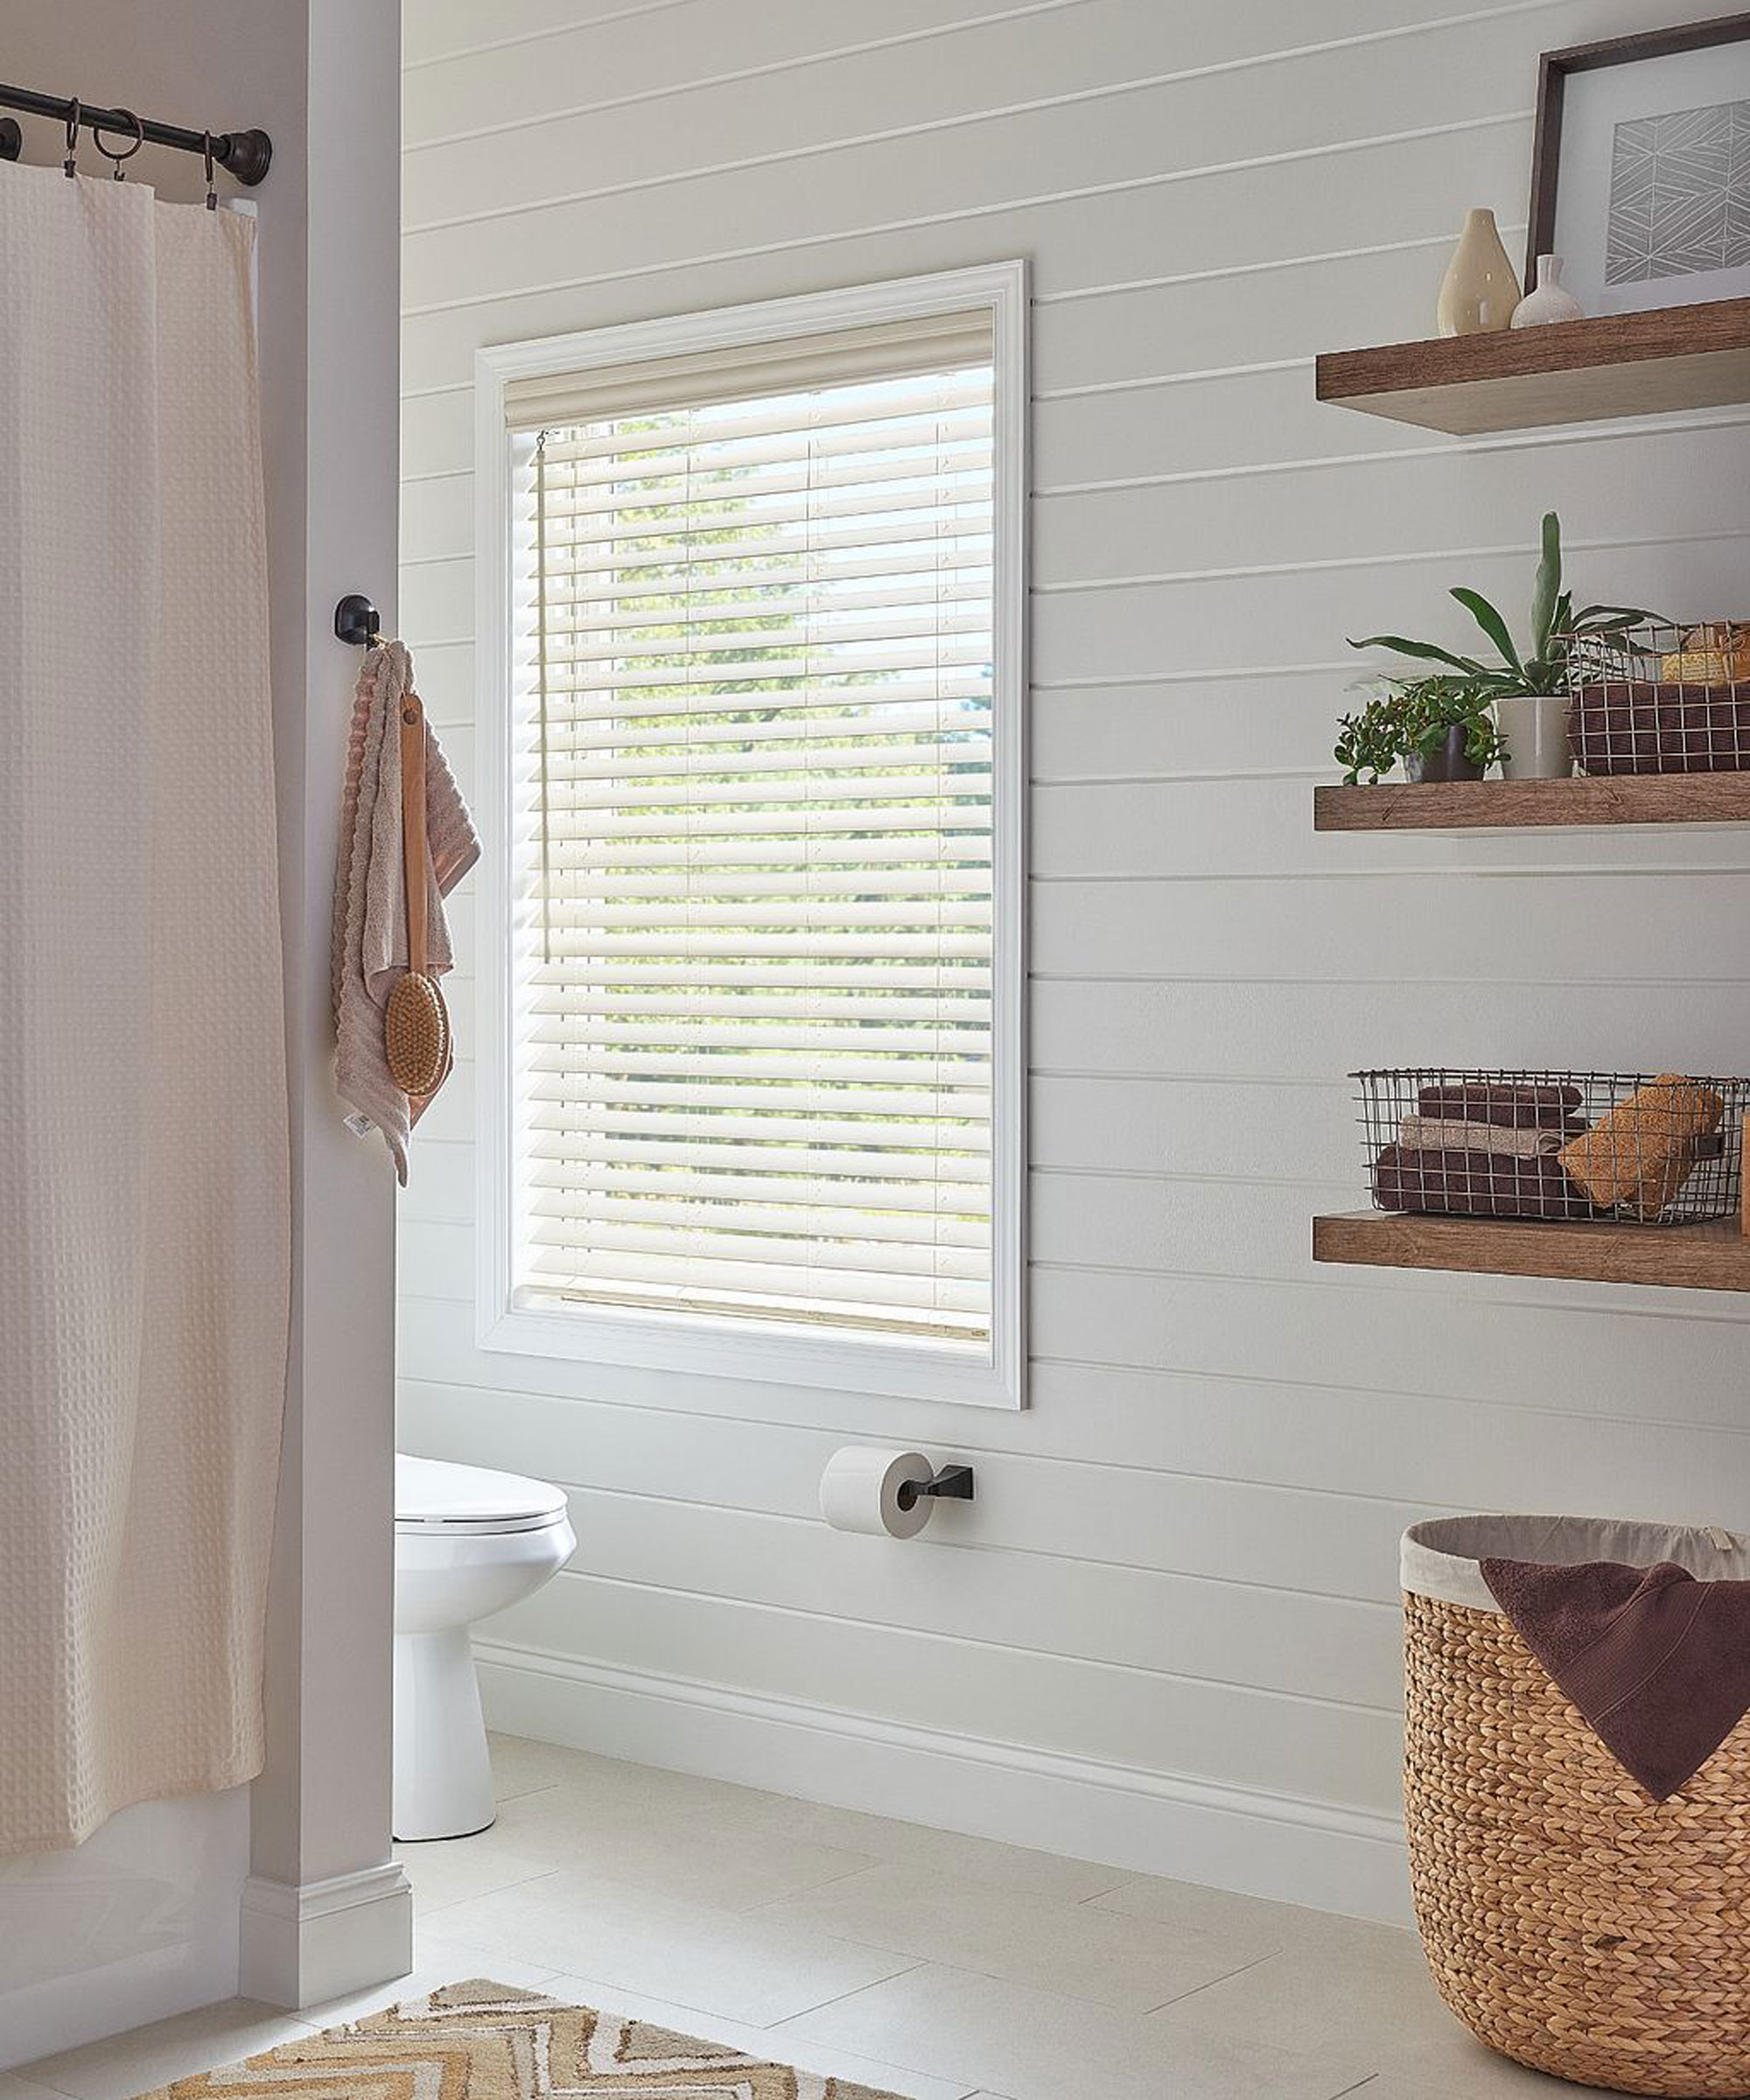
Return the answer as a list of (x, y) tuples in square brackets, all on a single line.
[(751, 1097)]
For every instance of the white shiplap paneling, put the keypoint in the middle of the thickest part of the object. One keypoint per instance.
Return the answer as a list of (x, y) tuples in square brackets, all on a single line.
[(1175, 1595)]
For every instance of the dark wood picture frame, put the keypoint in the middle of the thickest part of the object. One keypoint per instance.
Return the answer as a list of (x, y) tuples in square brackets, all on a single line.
[(1553, 69)]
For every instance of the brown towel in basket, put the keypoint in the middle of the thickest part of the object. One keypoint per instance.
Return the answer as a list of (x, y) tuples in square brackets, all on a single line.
[(1475, 1183), (1520, 1107), (1642, 1152), (1657, 1663)]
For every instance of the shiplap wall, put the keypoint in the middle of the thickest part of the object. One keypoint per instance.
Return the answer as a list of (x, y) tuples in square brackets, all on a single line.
[(1166, 1633)]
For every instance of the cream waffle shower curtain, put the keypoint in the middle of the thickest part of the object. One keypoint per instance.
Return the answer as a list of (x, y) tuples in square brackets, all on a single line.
[(143, 1230)]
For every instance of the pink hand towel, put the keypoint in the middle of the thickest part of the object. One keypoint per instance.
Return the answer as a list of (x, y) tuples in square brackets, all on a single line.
[(370, 902)]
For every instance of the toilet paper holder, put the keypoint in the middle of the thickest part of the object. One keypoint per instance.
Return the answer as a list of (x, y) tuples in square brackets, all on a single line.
[(952, 1484)]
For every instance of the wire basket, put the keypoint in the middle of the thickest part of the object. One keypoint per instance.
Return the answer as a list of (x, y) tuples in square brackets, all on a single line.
[(1660, 698), (1665, 1149)]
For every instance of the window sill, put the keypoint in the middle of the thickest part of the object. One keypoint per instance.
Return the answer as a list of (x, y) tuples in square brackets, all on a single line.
[(690, 1346)]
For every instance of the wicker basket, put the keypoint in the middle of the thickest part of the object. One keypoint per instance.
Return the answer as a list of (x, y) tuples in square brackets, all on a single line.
[(1570, 1921)]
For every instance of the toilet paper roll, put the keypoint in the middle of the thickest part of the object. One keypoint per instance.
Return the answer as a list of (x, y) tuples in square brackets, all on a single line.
[(860, 1491)]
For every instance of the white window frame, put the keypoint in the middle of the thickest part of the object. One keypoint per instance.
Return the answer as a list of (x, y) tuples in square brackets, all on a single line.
[(693, 1343)]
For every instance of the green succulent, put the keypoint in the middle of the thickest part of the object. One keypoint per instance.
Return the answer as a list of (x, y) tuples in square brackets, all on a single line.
[(1411, 718)]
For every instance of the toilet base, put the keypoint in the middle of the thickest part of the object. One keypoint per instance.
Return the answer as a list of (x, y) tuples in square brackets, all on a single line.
[(443, 1770)]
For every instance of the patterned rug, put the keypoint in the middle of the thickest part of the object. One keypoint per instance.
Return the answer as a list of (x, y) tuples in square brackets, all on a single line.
[(485, 2042)]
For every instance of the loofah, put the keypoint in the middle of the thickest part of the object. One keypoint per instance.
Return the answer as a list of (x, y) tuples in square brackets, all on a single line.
[(1642, 1153)]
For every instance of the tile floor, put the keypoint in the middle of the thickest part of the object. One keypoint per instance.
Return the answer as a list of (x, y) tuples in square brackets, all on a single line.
[(931, 1965)]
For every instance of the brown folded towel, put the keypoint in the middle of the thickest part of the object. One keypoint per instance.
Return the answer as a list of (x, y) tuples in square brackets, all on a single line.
[(1642, 1152), (1440, 1134), (1475, 1183), (1522, 1107), (1657, 1663)]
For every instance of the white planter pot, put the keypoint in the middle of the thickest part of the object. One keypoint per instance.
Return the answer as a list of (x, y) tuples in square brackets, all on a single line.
[(1535, 729)]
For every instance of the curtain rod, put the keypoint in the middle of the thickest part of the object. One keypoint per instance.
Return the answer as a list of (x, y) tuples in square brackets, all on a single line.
[(246, 154)]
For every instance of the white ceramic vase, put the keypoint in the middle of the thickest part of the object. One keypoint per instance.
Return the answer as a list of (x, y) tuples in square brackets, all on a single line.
[(1481, 289), (1551, 301), (1535, 729)]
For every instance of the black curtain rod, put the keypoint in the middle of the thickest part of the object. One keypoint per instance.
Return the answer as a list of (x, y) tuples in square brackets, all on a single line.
[(245, 154)]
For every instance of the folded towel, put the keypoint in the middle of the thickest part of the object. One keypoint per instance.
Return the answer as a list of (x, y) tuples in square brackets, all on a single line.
[(1642, 1152), (1475, 1183), (370, 901), (1522, 1107), (1657, 1663), (1438, 1134)]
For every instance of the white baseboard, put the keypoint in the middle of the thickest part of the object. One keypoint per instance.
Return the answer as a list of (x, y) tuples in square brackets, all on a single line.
[(302, 1944), (1156, 1822)]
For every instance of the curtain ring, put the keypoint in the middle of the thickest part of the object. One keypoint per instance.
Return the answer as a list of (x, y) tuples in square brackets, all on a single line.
[(206, 155), (127, 152), (70, 165)]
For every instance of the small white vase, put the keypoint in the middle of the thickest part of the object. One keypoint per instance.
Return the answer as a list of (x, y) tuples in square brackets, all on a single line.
[(1534, 726), (1552, 301), (1481, 289)]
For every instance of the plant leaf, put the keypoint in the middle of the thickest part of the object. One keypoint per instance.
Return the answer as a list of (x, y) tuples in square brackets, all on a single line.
[(1425, 650), (1546, 592), (1491, 623)]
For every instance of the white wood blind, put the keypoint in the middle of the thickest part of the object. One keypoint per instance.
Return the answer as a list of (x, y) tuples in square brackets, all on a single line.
[(753, 785)]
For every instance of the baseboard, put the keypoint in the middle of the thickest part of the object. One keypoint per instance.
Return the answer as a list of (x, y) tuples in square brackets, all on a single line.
[(302, 1944), (1144, 1822)]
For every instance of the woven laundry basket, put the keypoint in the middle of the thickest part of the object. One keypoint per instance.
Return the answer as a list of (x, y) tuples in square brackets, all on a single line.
[(1570, 1921)]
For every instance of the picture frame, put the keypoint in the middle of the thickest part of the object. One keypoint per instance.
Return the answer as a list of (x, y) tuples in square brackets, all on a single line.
[(1641, 167)]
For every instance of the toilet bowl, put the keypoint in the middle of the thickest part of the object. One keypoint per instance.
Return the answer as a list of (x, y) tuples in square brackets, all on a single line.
[(468, 1543)]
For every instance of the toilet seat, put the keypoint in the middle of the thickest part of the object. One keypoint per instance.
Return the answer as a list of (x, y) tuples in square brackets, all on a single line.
[(452, 1501)]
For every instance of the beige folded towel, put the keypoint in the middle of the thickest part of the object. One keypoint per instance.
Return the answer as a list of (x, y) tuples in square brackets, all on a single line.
[(1442, 1134), (370, 903)]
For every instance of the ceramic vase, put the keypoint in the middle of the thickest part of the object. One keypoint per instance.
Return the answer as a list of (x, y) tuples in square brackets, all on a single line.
[(1534, 726), (1551, 301), (1481, 289)]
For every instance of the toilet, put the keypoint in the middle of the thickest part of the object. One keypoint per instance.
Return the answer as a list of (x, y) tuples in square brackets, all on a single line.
[(468, 1543)]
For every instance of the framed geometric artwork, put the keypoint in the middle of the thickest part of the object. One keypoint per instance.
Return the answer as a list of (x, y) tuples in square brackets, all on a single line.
[(1641, 169)]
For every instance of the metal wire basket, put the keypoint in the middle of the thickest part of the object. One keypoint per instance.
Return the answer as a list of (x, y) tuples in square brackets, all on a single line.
[(1662, 1149), (1660, 698)]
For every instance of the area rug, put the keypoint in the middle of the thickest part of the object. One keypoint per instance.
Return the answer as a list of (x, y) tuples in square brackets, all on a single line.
[(481, 2040)]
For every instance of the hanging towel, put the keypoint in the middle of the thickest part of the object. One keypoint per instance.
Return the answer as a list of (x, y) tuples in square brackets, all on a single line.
[(1657, 1663), (144, 1215), (370, 893)]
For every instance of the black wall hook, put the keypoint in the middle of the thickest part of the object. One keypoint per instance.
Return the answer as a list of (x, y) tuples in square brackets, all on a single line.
[(357, 621)]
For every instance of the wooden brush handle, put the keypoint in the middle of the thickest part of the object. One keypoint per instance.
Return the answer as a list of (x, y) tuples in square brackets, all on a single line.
[(413, 825)]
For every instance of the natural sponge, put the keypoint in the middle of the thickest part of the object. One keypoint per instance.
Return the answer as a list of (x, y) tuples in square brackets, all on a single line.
[(1641, 1152)]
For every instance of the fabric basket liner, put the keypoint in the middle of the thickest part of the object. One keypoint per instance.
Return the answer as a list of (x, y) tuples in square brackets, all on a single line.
[(1440, 1558)]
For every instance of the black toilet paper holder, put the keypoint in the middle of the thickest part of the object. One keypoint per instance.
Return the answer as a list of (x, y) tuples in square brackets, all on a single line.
[(952, 1484)]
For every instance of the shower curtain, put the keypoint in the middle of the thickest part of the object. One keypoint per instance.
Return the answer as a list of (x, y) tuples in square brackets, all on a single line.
[(144, 1257)]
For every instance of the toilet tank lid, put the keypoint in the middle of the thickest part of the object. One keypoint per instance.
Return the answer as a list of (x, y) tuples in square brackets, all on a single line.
[(431, 1493)]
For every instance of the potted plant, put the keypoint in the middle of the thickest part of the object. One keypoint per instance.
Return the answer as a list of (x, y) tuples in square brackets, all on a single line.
[(1527, 688), (1440, 727)]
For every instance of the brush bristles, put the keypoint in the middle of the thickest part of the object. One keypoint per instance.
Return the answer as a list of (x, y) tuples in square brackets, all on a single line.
[(416, 1034)]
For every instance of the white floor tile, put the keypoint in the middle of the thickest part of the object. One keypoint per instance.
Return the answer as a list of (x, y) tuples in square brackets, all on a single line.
[(1133, 1963), (437, 1962), (1034, 2045), (127, 2064), (14, 2087), (522, 1766), (671, 1843), (1262, 1927), (690, 1953), (1368, 1999), (452, 1870), (803, 2055)]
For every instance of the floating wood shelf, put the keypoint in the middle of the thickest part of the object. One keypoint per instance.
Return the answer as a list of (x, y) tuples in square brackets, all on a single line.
[(1690, 1257), (1647, 798), (1629, 364)]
